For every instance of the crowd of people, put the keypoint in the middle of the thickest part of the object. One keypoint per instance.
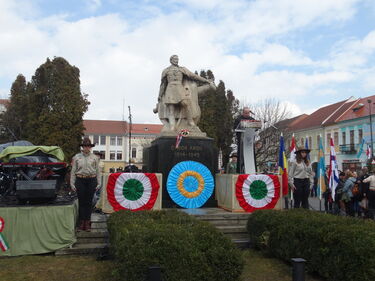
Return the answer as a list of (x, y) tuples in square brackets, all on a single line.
[(354, 195)]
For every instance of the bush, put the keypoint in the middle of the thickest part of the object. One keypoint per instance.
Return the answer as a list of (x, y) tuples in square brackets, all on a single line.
[(184, 248), (337, 248)]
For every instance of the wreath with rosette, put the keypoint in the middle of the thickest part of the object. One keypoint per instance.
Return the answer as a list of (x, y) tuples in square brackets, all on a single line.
[(255, 192), (132, 191), (190, 184)]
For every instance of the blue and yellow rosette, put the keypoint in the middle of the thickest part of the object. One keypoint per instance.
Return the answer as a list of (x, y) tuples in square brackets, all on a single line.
[(190, 184)]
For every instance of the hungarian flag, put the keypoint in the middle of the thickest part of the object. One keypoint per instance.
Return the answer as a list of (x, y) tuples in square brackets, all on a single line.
[(368, 152), (283, 166), (292, 149), (333, 171)]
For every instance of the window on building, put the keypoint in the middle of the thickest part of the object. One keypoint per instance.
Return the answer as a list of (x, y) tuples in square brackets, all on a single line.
[(328, 139), (302, 142), (310, 143), (112, 155), (360, 135), (113, 141), (119, 155), (343, 137), (102, 140), (96, 139), (134, 152), (119, 140), (336, 138), (317, 141), (102, 154), (351, 136)]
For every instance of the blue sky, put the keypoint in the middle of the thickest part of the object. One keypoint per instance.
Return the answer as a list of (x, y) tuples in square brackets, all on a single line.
[(305, 53)]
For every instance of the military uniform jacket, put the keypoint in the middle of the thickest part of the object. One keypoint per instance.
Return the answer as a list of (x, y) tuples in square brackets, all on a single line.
[(86, 165)]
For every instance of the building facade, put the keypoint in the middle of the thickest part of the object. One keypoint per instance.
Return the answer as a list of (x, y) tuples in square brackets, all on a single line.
[(117, 145)]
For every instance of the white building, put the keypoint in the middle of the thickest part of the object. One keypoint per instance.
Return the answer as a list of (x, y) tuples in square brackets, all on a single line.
[(111, 139)]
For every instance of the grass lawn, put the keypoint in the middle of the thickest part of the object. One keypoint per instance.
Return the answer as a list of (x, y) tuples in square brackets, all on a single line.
[(51, 268)]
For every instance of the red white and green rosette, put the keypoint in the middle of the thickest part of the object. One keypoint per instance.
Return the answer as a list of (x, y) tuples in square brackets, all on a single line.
[(132, 191), (3, 244), (255, 192)]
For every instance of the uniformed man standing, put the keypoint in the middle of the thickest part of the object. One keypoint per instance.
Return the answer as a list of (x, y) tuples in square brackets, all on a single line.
[(85, 180)]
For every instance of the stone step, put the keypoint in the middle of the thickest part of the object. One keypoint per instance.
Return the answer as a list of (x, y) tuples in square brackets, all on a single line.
[(95, 233), (242, 243), (232, 229), (221, 222), (96, 217), (99, 225), (89, 240), (84, 249)]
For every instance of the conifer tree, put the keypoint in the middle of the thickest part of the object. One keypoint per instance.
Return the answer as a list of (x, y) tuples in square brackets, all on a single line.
[(13, 120), (56, 106), (218, 108)]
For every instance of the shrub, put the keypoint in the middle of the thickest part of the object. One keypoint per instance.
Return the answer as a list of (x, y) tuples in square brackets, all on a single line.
[(184, 247), (337, 248)]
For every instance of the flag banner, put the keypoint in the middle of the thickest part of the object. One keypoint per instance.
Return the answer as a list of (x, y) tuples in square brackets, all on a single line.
[(181, 134), (333, 171), (368, 151), (283, 166), (321, 171), (3, 244), (360, 151), (307, 147), (292, 150)]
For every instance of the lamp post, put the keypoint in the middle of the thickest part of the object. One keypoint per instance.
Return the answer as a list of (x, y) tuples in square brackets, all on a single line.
[(372, 150)]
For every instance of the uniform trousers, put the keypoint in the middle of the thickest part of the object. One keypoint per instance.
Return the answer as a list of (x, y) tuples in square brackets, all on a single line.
[(301, 194), (85, 191)]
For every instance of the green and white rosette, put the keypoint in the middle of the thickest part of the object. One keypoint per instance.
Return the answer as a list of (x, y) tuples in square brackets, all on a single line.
[(132, 191), (255, 192)]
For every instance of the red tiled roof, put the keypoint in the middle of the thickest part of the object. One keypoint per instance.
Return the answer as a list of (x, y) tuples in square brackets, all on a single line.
[(109, 127), (4, 101), (287, 123), (362, 109), (146, 128), (317, 118)]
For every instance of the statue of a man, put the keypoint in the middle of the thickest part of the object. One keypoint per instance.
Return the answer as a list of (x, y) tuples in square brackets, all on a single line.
[(178, 98)]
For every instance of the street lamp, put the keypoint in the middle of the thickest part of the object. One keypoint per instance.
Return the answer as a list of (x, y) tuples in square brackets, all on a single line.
[(372, 150)]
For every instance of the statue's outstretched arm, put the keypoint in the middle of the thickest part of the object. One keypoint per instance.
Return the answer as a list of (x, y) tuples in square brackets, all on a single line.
[(194, 76), (163, 85)]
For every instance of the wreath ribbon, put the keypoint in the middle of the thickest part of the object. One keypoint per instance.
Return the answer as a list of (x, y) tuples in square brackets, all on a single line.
[(3, 244)]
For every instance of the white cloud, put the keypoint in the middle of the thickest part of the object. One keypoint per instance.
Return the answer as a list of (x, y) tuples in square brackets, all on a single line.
[(120, 62)]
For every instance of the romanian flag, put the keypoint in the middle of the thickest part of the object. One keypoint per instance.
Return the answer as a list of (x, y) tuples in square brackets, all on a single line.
[(283, 166), (321, 172)]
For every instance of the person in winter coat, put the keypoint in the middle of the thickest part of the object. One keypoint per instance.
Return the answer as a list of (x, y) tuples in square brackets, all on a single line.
[(347, 195)]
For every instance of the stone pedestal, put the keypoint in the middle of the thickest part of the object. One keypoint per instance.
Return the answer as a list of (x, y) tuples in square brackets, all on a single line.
[(162, 156)]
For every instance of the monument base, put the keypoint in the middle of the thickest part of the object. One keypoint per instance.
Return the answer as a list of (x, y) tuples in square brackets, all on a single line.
[(163, 155)]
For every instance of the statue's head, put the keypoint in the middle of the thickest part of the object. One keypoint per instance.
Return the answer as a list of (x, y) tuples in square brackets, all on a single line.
[(174, 60)]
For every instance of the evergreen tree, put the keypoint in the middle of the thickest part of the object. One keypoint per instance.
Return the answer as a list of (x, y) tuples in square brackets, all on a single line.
[(217, 109), (56, 106), (14, 118)]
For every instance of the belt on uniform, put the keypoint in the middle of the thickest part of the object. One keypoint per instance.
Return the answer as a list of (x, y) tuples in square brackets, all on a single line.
[(86, 176)]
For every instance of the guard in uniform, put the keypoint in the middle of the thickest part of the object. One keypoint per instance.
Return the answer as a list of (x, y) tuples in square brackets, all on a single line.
[(85, 180)]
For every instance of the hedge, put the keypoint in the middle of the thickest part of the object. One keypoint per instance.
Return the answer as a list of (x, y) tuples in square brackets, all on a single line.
[(184, 247), (337, 248)]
